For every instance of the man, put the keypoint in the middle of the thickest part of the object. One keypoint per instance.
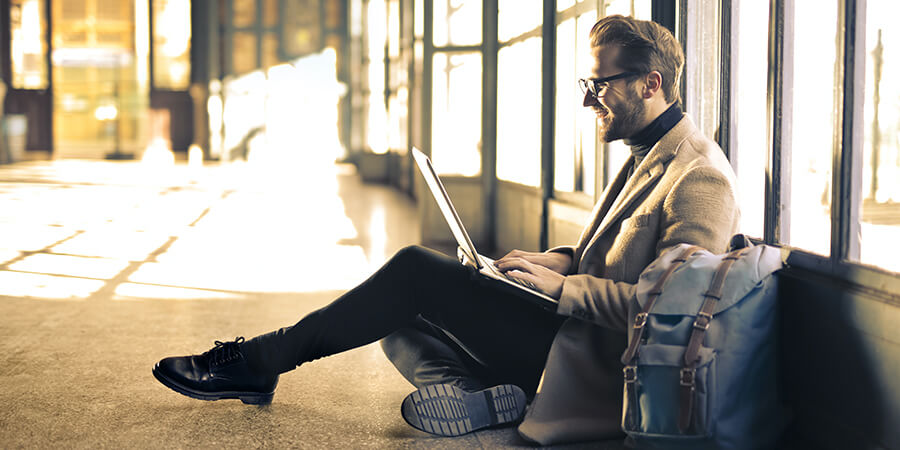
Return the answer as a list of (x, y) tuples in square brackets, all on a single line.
[(476, 354)]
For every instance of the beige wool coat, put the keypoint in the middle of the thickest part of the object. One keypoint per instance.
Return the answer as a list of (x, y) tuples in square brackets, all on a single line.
[(683, 191)]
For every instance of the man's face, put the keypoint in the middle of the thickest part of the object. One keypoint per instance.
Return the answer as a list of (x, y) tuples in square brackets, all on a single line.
[(620, 109)]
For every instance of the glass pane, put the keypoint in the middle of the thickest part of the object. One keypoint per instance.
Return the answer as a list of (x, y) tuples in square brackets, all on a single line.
[(562, 5), (749, 87), (303, 26), (880, 209), (517, 17), (171, 44), (639, 9), (99, 91), (243, 52), (419, 20), (270, 13), (519, 113), (393, 19), (270, 49), (28, 46), (456, 113), (702, 66), (457, 22), (568, 104), (377, 35), (113, 10), (812, 140), (585, 119), (243, 13)]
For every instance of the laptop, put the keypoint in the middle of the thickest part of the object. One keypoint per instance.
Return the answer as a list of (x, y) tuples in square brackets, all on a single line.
[(483, 264)]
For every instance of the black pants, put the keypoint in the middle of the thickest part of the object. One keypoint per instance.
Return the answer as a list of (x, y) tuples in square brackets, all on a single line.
[(438, 322)]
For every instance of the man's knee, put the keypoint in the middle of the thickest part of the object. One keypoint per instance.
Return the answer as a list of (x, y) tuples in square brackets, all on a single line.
[(392, 345), (410, 252)]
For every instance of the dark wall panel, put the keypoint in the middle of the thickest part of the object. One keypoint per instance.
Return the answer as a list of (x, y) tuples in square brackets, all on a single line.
[(841, 363)]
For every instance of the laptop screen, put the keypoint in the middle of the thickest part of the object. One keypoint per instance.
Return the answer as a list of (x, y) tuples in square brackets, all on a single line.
[(443, 201)]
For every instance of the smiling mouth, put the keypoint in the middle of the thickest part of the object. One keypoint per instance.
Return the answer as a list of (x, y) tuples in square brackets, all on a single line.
[(601, 111)]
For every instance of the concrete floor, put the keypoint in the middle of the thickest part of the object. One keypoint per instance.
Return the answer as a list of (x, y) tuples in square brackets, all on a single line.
[(106, 267)]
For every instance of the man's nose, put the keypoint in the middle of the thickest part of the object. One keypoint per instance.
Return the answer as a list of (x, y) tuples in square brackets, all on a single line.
[(589, 100)]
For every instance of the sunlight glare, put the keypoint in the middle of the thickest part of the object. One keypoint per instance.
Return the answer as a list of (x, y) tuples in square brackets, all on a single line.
[(30, 285), (76, 266), (137, 291)]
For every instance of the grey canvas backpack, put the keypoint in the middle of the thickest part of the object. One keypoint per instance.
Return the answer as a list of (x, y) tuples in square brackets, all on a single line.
[(700, 368)]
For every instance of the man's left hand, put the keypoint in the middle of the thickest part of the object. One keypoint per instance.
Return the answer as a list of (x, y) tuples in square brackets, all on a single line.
[(544, 279)]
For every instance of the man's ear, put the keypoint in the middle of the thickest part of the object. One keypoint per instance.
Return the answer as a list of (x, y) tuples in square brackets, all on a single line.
[(652, 85)]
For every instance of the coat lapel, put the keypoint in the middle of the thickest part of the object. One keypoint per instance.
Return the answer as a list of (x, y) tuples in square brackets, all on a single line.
[(643, 178)]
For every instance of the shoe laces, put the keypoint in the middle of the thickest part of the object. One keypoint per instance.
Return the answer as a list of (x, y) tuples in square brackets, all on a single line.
[(225, 352)]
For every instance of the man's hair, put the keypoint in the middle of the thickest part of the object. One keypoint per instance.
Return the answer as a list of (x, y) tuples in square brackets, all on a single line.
[(646, 46)]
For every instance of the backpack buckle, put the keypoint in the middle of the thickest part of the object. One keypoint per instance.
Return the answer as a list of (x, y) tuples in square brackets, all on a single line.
[(702, 321), (687, 377), (640, 320), (630, 373)]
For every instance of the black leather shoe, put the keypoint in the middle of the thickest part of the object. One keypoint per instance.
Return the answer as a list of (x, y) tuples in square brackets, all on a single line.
[(446, 410), (222, 372)]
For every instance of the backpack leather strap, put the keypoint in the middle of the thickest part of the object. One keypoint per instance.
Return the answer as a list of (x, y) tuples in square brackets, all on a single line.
[(640, 320), (701, 324), (630, 370)]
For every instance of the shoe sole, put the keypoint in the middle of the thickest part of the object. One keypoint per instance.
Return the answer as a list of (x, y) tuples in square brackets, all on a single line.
[(447, 410), (249, 398)]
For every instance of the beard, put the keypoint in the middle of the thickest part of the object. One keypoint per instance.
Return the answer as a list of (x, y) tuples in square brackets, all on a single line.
[(621, 121)]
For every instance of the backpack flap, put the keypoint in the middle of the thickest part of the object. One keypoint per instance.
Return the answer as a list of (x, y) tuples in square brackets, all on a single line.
[(684, 290)]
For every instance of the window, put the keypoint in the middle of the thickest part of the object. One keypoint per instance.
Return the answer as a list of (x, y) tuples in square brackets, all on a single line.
[(28, 46), (519, 92), (457, 22), (812, 138), (456, 113), (171, 44), (880, 207), (576, 166), (376, 23), (702, 68), (575, 127), (519, 112), (456, 87), (518, 16), (243, 51), (749, 148)]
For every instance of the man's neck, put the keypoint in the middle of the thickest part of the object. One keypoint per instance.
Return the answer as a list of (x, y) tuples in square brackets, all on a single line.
[(642, 141)]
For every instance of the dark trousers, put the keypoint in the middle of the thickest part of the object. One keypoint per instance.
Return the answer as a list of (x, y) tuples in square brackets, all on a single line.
[(438, 322)]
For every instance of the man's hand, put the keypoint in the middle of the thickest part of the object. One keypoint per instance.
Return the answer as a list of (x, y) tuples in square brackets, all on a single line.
[(557, 262), (544, 270)]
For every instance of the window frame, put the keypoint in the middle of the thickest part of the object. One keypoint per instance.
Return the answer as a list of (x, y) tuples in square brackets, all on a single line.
[(578, 196), (846, 150)]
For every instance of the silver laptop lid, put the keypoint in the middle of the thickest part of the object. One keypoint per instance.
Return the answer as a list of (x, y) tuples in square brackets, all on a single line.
[(446, 207)]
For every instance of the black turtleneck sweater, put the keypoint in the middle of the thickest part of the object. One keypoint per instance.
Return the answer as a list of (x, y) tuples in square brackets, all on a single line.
[(641, 143)]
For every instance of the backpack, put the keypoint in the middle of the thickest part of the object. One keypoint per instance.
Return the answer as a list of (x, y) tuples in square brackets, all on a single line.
[(700, 368)]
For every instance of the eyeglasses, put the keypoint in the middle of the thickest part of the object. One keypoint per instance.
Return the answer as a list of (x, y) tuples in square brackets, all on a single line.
[(597, 86)]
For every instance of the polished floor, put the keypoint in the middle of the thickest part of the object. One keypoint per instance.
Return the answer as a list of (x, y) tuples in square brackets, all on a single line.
[(106, 267)]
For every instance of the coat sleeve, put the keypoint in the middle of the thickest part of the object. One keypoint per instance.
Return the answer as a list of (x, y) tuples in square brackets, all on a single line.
[(700, 209)]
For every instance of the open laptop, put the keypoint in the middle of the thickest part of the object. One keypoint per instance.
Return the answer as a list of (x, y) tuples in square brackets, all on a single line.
[(483, 264)]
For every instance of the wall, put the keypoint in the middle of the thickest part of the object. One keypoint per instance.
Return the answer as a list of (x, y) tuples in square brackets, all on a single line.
[(841, 362)]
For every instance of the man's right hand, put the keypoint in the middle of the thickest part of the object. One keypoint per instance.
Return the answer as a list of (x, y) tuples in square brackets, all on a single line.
[(555, 261)]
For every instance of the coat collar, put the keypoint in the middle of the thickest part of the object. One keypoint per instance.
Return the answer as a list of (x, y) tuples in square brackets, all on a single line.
[(645, 176)]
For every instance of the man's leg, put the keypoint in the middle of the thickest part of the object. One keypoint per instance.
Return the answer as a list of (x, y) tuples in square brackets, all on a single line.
[(494, 326), (415, 282), (425, 355)]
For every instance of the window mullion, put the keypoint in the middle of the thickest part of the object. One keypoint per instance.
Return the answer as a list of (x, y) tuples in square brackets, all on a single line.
[(780, 112), (847, 151)]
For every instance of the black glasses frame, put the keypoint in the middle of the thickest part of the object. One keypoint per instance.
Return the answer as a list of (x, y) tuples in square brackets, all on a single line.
[(595, 85)]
